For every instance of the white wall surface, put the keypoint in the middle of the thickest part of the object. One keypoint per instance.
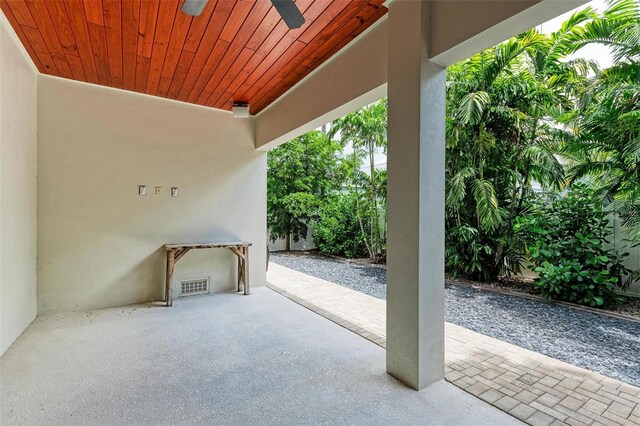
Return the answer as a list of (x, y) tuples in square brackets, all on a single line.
[(619, 241), (456, 22), (302, 245), (18, 143), (100, 243)]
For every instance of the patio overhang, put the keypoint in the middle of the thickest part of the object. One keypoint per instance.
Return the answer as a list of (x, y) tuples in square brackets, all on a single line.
[(93, 141)]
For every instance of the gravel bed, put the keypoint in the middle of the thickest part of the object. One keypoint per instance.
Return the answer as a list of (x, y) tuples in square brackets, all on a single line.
[(607, 345)]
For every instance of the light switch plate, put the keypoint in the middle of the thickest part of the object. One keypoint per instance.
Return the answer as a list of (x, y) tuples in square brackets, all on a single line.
[(174, 192), (142, 190), (158, 190)]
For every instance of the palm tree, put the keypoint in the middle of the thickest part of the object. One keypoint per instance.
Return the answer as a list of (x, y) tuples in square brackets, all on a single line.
[(366, 130), (606, 144), (501, 137)]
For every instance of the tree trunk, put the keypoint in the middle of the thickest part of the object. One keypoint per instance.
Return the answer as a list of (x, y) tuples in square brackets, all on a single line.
[(287, 239), (358, 216), (374, 201)]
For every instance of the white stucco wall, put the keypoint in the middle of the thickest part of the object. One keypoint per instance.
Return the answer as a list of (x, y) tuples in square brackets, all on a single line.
[(18, 143), (465, 27), (619, 240), (100, 243), (302, 245)]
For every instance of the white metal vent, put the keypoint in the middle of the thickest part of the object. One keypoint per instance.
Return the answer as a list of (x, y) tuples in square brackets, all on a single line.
[(193, 287)]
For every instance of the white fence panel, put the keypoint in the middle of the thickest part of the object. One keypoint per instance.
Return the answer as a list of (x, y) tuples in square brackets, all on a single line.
[(633, 261), (302, 245)]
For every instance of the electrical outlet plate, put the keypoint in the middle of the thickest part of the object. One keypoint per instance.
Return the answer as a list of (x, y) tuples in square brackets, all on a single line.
[(158, 190), (142, 190)]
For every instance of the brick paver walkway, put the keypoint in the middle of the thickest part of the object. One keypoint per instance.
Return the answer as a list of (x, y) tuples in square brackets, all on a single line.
[(532, 387)]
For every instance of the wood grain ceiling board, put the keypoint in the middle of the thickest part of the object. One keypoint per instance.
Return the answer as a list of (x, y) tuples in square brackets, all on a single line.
[(235, 51)]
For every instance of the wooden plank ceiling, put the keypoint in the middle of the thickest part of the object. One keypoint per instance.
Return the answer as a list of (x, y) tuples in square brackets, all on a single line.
[(236, 50)]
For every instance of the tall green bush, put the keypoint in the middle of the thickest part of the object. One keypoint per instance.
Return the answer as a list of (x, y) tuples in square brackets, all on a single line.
[(501, 104), (336, 229), (300, 175), (566, 238), (606, 142), (366, 131)]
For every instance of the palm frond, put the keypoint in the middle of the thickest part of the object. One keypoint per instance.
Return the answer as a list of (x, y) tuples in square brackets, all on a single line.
[(457, 186), (472, 107), (488, 211)]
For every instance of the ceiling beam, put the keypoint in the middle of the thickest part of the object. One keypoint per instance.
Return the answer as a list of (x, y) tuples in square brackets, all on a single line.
[(357, 76), (463, 28)]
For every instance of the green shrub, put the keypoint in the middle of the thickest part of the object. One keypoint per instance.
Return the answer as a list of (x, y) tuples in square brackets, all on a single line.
[(466, 254), (480, 256), (566, 237), (336, 230)]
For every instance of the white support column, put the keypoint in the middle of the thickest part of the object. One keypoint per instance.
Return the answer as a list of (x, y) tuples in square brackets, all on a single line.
[(416, 162)]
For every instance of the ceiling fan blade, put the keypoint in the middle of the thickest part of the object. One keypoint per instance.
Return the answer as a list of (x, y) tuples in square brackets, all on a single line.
[(290, 13), (194, 7)]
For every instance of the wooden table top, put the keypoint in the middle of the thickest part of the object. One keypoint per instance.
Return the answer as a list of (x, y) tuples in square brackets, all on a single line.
[(222, 244)]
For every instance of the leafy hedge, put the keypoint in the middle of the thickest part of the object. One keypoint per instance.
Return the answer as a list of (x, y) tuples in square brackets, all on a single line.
[(566, 238), (336, 230)]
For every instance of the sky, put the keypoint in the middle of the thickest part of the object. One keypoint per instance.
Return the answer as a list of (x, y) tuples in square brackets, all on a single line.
[(597, 52)]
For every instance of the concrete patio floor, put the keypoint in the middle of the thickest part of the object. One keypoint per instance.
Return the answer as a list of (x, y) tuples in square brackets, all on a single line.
[(219, 359), (530, 386)]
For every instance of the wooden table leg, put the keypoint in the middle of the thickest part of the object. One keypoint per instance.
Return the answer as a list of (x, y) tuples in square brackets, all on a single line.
[(247, 290), (168, 295), (235, 251), (241, 253), (239, 271)]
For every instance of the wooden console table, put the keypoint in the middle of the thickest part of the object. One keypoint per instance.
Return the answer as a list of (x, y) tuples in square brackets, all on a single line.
[(176, 251)]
